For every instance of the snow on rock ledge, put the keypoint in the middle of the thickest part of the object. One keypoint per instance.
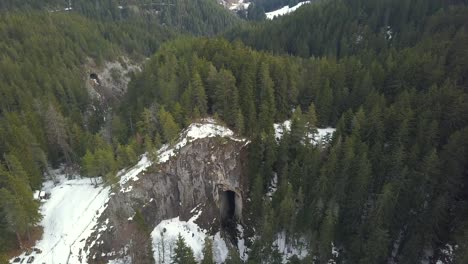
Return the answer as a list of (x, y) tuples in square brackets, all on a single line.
[(206, 129)]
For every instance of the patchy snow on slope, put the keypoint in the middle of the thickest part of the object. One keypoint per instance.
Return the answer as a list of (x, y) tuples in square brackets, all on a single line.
[(69, 218), (287, 250), (323, 134), (284, 10), (125, 260), (220, 249), (273, 186), (240, 5), (132, 174), (165, 234), (206, 129), (243, 250)]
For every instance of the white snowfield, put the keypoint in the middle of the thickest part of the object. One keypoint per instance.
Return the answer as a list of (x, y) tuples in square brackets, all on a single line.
[(69, 218), (70, 215), (284, 10), (322, 133)]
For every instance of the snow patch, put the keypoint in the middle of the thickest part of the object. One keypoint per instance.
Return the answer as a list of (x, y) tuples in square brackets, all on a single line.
[(207, 129), (240, 5), (69, 217), (284, 10), (125, 260), (164, 237), (243, 250), (322, 135), (220, 250), (132, 174), (273, 187), (389, 33), (292, 248)]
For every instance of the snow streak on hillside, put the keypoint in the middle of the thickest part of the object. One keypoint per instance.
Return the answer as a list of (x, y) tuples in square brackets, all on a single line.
[(205, 129), (69, 217), (284, 10)]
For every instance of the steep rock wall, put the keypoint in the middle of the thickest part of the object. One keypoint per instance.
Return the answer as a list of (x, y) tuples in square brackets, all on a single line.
[(196, 176)]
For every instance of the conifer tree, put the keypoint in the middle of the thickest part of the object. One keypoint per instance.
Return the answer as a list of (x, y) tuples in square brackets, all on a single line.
[(266, 99), (199, 95), (233, 257), (183, 254), (311, 121), (208, 252), (169, 128), (16, 199)]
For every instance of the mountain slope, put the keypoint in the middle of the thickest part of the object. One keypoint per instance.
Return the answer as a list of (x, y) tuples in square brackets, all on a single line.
[(340, 28)]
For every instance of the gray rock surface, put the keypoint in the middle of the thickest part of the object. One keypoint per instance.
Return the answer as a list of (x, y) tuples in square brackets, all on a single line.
[(197, 176)]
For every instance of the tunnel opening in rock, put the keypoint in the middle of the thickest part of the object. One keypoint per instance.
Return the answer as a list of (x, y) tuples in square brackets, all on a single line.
[(94, 77), (228, 207), (231, 212)]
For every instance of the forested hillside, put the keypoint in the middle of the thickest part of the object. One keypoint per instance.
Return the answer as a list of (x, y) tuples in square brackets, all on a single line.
[(258, 8), (391, 76), (47, 117), (390, 186), (42, 107), (199, 17), (339, 28)]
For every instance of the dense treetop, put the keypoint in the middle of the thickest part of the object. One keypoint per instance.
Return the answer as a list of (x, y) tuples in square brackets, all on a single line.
[(391, 76)]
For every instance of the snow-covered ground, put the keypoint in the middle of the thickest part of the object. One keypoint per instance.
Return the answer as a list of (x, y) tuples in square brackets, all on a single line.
[(284, 10), (165, 235), (287, 250), (132, 173), (69, 217), (323, 134)]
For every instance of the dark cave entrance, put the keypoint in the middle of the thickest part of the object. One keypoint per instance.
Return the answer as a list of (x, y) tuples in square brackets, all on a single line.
[(94, 77), (231, 212), (228, 208)]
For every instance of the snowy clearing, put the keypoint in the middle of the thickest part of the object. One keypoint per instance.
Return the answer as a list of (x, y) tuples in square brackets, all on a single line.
[(165, 234), (69, 218), (323, 134), (287, 250), (284, 10)]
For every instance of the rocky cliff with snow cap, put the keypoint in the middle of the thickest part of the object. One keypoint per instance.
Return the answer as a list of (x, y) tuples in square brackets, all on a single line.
[(201, 174)]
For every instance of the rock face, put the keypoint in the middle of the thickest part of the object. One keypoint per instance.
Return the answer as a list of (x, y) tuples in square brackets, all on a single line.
[(207, 173)]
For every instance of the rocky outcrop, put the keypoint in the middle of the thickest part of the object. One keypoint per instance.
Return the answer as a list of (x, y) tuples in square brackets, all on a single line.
[(207, 173), (109, 81)]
